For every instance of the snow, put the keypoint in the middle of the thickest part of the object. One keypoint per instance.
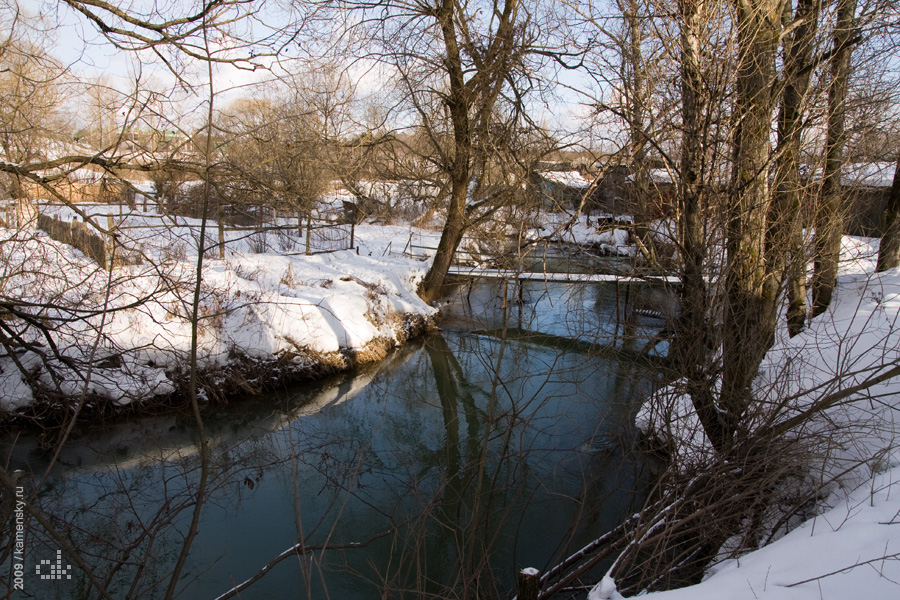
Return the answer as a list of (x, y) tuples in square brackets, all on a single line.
[(851, 549), (572, 179), (873, 174), (604, 590), (262, 305), (876, 174), (279, 304), (657, 176), (561, 228)]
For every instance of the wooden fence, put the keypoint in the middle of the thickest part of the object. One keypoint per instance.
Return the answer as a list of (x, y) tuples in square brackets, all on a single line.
[(95, 245)]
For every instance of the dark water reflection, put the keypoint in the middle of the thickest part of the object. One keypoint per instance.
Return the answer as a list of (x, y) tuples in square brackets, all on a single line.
[(457, 461)]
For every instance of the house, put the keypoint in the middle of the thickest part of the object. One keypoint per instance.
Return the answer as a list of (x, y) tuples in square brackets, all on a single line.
[(565, 190), (661, 191), (867, 187)]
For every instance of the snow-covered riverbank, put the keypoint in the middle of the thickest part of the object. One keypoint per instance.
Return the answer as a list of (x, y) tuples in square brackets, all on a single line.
[(269, 315), (851, 548)]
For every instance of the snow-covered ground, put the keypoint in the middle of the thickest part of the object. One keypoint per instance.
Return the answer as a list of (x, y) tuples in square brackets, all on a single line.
[(264, 300), (852, 548), (850, 551), (255, 305), (271, 304)]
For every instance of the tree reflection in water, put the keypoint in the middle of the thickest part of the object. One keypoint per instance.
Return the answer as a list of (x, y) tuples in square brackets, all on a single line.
[(441, 472)]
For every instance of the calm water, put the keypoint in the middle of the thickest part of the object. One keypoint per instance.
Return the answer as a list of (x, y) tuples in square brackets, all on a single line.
[(462, 458)]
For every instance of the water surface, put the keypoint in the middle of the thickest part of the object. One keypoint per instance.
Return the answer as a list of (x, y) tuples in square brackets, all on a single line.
[(462, 458)]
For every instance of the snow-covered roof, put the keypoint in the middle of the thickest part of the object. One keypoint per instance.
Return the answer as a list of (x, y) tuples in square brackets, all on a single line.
[(657, 176), (876, 174), (572, 179)]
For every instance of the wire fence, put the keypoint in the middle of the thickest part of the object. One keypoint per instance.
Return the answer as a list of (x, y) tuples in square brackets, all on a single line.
[(106, 233)]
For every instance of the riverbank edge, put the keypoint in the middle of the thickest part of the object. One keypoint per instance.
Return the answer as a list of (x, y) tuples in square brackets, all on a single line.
[(242, 377)]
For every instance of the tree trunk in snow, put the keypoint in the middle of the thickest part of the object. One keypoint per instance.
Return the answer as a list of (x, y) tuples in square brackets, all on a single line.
[(784, 242), (828, 215), (470, 105), (451, 236), (689, 345), (750, 306)]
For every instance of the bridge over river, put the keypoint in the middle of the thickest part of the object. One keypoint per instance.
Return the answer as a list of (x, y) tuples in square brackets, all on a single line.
[(508, 274)]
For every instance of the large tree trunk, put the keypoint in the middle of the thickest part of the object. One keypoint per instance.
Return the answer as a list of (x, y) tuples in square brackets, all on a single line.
[(454, 227), (470, 105), (785, 251), (459, 168), (688, 349), (828, 215), (750, 308), (889, 252)]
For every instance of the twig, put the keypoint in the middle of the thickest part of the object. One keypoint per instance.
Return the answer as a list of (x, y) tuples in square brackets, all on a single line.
[(893, 556), (297, 549)]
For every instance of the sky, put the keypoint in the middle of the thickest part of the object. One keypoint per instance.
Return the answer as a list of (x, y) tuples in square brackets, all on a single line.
[(88, 55)]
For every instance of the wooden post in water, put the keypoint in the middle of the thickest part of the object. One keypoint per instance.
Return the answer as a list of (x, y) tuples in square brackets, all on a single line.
[(528, 584), (519, 299)]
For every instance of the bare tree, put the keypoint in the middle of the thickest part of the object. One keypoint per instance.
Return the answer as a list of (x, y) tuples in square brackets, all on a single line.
[(274, 157), (462, 70), (828, 214), (32, 85), (785, 217), (749, 312), (181, 38)]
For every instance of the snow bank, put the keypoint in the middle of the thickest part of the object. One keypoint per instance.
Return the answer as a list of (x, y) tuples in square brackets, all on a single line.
[(265, 307), (573, 179), (852, 549), (608, 233)]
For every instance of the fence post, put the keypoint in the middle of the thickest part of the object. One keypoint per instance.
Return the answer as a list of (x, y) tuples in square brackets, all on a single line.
[(308, 232), (111, 242), (528, 584), (408, 245), (351, 216), (221, 237)]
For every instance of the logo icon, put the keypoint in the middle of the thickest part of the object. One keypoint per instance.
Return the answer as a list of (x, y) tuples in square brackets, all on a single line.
[(56, 571)]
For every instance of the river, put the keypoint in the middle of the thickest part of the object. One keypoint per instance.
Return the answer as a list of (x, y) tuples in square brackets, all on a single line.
[(503, 442)]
